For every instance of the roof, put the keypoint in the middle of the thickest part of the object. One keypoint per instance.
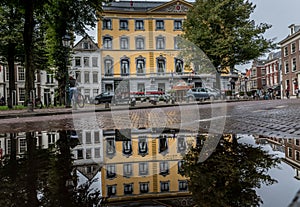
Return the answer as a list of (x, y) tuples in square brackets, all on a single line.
[(176, 6), (131, 5)]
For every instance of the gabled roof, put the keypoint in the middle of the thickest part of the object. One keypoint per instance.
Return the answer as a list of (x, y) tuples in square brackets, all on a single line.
[(80, 46)]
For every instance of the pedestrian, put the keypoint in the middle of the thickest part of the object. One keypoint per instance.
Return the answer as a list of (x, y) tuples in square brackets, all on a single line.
[(287, 92), (2, 101), (73, 88)]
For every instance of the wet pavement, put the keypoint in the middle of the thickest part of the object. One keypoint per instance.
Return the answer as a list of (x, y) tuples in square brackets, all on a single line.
[(272, 118)]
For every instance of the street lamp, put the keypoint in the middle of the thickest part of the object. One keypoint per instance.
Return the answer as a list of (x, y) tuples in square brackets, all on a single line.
[(66, 43)]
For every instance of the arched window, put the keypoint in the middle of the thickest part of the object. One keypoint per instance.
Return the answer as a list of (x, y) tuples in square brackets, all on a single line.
[(178, 65), (140, 65), (124, 63), (108, 66), (161, 64), (107, 42)]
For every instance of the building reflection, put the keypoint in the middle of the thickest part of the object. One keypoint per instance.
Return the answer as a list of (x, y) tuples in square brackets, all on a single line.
[(144, 165)]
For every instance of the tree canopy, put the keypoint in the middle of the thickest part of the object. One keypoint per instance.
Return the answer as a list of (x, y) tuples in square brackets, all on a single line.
[(224, 31)]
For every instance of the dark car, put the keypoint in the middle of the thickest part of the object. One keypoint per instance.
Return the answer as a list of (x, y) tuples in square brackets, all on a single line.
[(105, 97)]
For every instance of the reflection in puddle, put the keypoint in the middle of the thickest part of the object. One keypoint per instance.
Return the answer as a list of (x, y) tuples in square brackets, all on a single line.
[(142, 167)]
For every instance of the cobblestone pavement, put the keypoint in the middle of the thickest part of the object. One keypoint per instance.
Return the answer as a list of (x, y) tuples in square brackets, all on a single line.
[(272, 118)]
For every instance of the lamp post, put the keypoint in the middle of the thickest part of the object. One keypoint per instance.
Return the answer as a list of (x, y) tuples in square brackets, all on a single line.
[(66, 43)]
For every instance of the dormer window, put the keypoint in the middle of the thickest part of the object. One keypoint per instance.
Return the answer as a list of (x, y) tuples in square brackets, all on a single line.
[(86, 45)]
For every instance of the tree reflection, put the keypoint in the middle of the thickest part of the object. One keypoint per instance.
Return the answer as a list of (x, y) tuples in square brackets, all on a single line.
[(230, 175), (43, 177)]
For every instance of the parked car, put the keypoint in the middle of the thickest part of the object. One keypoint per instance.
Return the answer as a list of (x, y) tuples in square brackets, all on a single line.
[(105, 97), (214, 93), (198, 94)]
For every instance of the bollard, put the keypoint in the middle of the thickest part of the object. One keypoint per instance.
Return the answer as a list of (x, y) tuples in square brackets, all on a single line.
[(106, 105), (30, 107)]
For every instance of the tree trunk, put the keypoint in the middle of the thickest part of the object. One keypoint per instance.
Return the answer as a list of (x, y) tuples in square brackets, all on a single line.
[(28, 39), (11, 69)]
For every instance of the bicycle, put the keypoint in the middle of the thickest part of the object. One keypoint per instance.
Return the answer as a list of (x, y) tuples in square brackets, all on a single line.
[(79, 99)]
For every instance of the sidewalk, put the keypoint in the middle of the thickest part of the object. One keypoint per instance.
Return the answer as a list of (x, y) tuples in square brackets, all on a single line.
[(6, 114)]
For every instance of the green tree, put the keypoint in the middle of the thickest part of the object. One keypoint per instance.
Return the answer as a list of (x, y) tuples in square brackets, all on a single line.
[(230, 175), (11, 44), (226, 34), (67, 18)]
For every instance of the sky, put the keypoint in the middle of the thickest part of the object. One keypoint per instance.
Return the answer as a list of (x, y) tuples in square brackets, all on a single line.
[(278, 13)]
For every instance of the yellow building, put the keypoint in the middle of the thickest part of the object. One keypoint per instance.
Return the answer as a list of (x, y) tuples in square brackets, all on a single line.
[(145, 166), (139, 43)]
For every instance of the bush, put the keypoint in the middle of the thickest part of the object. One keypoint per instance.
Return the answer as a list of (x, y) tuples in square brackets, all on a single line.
[(228, 93), (242, 93)]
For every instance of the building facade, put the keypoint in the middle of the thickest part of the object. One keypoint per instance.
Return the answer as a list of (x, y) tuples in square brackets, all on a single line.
[(139, 44), (290, 52), (85, 67)]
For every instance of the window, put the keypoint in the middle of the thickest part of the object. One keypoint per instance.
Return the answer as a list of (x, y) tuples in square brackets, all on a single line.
[(161, 65), (127, 148), (88, 138), (163, 144), (86, 45), (182, 185), (86, 77), (181, 144), (177, 24), (86, 61), (110, 146), (164, 168), (139, 43), (176, 42), (95, 61), (160, 25), (95, 77), (128, 189), (107, 42), (164, 186), (139, 24), (80, 154), (124, 66), (180, 166), (143, 147), (290, 152), (78, 76), (178, 65), (144, 187), (21, 94), (110, 171), (97, 152), (297, 142), (108, 67), (127, 169), (140, 65), (160, 43), (141, 87), (286, 53), (294, 65), (88, 153), (21, 73), (107, 24), (297, 155), (77, 61), (286, 66), (50, 78), (111, 190), (51, 138), (143, 168), (124, 43), (293, 48), (96, 136), (123, 24), (22, 146)]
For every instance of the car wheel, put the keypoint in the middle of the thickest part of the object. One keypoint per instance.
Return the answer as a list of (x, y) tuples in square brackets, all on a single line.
[(211, 98)]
